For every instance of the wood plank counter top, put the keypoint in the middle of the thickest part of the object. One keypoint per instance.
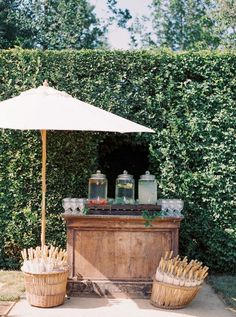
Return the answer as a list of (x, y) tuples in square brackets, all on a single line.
[(117, 254)]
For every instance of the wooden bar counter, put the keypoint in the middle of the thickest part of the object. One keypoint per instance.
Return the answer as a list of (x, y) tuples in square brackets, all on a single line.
[(116, 255)]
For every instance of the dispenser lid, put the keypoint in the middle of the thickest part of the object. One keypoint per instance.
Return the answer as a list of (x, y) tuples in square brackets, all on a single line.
[(147, 176), (98, 175), (125, 176)]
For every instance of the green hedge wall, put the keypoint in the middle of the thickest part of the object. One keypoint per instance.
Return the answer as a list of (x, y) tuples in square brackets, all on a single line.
[(188, 98)]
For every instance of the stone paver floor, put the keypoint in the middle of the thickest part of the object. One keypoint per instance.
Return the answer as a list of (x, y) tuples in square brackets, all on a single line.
[(206, 304)]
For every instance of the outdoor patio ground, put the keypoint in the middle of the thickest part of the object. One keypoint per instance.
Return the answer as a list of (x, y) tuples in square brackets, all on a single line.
[(206, 304)]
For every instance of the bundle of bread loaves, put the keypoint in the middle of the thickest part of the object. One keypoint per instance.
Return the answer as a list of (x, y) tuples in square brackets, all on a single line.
[(44, 260), (180, 272)]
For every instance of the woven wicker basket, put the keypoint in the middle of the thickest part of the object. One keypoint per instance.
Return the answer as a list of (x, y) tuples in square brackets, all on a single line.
[(170, 296), (46, 290)]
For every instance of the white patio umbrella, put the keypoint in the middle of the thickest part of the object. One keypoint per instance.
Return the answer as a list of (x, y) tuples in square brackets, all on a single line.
[(45, 108)]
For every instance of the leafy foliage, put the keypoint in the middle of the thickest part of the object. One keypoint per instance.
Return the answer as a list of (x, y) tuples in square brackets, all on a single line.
[(225, 15), (50, 24), (188, 98), (7, 23), (179, 25), (186, 25), (120, 16)]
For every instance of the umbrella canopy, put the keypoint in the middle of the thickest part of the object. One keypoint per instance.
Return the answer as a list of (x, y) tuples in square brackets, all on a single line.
[(45, 108)]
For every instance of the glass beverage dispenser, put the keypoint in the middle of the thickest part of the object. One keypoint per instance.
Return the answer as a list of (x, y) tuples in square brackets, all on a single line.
[(97, 192), (125, 189), (147, 189)]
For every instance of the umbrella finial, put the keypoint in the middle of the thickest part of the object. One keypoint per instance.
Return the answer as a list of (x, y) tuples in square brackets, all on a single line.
[(45, 83)]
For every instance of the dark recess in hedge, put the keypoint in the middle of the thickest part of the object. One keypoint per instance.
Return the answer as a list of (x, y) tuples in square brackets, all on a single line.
[(188, 98)]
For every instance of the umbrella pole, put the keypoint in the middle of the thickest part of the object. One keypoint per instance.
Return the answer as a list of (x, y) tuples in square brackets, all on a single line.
[(44, 157)]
